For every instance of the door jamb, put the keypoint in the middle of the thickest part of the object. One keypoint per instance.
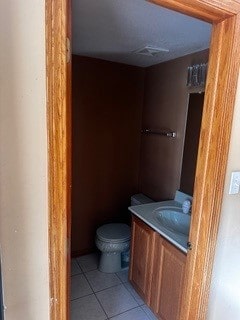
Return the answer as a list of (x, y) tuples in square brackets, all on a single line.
[(212, 158)]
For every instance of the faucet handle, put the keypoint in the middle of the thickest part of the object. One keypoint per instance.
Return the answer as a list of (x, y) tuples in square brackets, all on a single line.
[(186, 206)]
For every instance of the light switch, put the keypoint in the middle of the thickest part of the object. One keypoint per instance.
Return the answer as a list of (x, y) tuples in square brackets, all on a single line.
[(235, 182)]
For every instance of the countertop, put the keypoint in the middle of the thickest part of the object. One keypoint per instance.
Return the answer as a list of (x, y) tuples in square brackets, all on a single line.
[(144, 211)]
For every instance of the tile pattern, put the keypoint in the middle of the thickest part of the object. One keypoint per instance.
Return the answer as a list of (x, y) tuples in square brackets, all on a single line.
[(79, 287), (100, 296), (136, 296), (123, 275), (149, 313), (100, 281), (134, 314), (116, 300), (75, 268), (87, 308)]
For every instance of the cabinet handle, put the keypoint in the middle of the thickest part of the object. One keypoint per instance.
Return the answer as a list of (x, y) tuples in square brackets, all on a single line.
[(189, 245)]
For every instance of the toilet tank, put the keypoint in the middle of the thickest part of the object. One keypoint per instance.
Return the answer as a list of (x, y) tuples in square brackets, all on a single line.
[(140, 198)]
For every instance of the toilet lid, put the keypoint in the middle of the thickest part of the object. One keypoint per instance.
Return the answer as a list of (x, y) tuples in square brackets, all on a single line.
[(114, 232)]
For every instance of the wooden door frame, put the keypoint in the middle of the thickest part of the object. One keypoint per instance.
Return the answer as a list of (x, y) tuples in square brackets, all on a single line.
[(212, 159)]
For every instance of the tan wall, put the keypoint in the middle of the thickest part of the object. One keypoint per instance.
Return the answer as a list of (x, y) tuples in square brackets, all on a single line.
[(23, 170), (225, 289), (107, 114), (165, 107)]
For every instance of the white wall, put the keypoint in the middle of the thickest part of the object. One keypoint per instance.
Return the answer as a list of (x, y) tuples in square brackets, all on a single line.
[(225, 290), (23, 152)]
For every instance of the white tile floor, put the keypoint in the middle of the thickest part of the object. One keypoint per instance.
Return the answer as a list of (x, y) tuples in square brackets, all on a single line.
[(99, 296)]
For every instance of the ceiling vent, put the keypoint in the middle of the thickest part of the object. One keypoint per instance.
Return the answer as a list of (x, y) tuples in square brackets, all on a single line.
[(150, 51)]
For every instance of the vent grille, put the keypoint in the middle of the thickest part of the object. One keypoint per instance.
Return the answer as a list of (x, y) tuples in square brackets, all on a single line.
[(150, 51)]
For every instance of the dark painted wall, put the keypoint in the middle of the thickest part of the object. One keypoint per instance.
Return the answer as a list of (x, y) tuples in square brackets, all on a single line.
[(107, 114), (111, 159), (194, 120), (165, 107)]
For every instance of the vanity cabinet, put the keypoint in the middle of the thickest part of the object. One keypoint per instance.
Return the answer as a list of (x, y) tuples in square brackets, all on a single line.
[(141, 265), (158, 271), (167, 284)]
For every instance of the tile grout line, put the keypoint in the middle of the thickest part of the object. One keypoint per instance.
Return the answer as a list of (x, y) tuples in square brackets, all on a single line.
[(101, 306), (75, 259), (78, 264), (77, 274), (146, 313), (94, 293), (115, 285), (87, 295), (139, 305), (124, 282), (126, 312), (96, 296), (133, 295), (121, 283), (119, 278)]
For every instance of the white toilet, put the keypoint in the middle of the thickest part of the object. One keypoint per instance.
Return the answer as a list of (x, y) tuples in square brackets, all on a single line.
[(114, 238)]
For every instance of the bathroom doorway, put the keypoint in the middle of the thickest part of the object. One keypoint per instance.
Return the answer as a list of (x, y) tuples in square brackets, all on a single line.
[(200, 162), (114, 110)]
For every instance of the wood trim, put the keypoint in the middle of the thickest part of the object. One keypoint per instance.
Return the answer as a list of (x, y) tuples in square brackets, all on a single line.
[(68, 110), (214, 145), (208, 10), (211, 165), (59, 150), (212, 159)]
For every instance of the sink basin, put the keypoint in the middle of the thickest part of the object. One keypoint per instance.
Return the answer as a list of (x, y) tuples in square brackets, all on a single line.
[(173, 218)]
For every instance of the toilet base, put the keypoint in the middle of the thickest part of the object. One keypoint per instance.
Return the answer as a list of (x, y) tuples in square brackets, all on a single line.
[(110, 262)]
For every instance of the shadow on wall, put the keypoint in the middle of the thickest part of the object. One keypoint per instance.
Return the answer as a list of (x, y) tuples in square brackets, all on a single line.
[(192, 135)]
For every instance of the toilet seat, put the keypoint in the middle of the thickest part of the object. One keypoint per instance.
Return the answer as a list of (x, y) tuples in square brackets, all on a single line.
[(114, 233)]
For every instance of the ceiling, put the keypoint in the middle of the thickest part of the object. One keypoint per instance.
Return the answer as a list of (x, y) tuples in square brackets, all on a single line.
[(113, 29)]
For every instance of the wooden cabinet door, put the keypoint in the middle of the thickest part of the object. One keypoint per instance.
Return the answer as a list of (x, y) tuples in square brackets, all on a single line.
[(141, 258), (166, 291)]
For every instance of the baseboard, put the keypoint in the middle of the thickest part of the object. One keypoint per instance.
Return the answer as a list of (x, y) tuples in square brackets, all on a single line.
[(78, 253)]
